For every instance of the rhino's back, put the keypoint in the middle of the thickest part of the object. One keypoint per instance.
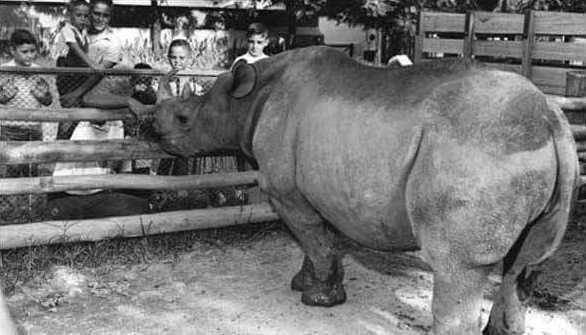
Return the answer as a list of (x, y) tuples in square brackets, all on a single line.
[(356, 142)]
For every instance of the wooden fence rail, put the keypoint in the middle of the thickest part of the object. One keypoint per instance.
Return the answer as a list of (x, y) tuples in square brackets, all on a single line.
[(53, 232), (37, 233)]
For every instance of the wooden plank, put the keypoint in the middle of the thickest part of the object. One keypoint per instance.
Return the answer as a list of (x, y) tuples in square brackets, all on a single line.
[(117, 71), (63, 114), (560, 51), (560, 23), (73, 151), (498, 23), (553, 78), (39, 185), (498, 48), (442, 45), (504, 66), (579, 131), (442, 22), (575, 104), (53, 232), (527, 44)]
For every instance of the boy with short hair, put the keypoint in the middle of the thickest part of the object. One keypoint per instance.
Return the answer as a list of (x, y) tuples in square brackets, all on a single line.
[(71, 46), (257, 39), (23, 91), (179, 57)]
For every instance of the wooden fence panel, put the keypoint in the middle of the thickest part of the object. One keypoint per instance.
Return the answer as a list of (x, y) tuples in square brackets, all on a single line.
[(441, 22), (498, 23), (494, 48), (483, 36), (560, 23), (560, 51), (437, 45)]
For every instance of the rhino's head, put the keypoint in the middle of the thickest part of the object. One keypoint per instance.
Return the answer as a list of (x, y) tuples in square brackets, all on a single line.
[(187, 125)]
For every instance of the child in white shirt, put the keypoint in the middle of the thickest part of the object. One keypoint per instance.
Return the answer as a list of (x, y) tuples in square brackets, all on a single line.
[(71, 46), (258, 40)]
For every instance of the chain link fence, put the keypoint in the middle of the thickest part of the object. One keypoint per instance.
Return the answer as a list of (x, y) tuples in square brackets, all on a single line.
[(43, 90)]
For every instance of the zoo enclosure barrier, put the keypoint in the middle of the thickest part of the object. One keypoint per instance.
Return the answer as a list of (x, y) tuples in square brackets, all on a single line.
[(207, 171), (549, 48)]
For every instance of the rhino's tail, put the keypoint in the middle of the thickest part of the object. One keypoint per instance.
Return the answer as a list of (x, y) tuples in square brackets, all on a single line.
[(543, 236)]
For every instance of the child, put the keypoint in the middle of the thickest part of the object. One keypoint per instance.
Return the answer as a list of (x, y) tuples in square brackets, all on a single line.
[(23, 91), (179, 57), (258, 40), (71, 46)]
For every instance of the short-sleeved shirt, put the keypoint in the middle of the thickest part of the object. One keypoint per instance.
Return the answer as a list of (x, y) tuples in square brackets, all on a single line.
[(23, 98), (248, 58), (105, 46), (69, 34)]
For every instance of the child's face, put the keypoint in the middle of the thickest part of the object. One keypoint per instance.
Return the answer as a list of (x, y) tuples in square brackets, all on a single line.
[(24, 54), (179, 58), (257, 43), (80, 17)]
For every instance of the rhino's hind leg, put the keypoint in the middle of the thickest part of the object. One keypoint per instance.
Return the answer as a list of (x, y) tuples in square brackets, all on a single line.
[(457, 296), (536, 243), (321, 275)]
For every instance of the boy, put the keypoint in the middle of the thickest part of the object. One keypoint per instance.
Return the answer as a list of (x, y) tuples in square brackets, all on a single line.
[(23, 91), (71, 46), (258, 40), (179, 57)]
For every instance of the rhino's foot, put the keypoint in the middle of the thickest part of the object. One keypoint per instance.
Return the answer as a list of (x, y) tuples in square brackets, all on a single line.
[(324, 295), (488, 330)]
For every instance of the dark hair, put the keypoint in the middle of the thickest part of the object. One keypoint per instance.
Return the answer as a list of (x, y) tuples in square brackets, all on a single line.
[(76, 3), (179, 43), (22, 36), (108, 3), (257, 28), (148, 97), (142, 66)]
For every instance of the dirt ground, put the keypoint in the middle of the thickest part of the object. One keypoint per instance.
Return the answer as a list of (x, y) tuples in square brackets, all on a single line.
[(244, 289)]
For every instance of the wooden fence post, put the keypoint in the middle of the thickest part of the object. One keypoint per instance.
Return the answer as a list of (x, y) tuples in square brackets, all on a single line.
[(469, 35), (528, 42), (419, 36)]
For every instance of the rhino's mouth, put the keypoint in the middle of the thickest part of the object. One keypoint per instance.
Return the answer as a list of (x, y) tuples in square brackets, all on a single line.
[(176, 146)]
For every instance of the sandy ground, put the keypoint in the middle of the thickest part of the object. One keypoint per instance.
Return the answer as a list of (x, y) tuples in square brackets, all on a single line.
[(244, 289)]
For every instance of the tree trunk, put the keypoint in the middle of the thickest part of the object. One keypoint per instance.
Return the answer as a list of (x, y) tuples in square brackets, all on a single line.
[(290, 8), (156, 28)]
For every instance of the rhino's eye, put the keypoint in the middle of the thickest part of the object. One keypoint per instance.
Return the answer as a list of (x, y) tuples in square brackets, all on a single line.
[(182, 119)]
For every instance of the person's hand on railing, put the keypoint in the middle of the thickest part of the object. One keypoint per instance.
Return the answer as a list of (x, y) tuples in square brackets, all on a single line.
[(41, 91), (8, 90)]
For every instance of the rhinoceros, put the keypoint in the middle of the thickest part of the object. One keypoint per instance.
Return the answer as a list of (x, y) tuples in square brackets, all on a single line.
[(469, 165)]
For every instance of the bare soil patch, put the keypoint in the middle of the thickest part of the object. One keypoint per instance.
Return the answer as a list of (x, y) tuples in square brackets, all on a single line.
[(243, 288)]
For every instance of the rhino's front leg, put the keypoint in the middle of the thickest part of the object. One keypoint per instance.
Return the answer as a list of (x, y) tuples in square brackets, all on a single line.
[(320, 278)]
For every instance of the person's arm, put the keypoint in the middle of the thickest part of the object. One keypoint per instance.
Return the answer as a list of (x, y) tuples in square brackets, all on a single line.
[(105, 100), (7, 91), (82, 55)]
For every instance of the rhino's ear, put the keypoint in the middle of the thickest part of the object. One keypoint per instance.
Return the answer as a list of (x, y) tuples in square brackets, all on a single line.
[(244, 80)]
